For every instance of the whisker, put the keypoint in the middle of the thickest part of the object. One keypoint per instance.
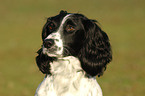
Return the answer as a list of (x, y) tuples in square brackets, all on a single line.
[(68, 50)]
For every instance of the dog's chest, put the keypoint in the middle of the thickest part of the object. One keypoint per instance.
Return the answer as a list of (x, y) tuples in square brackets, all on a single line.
[(68, 79)]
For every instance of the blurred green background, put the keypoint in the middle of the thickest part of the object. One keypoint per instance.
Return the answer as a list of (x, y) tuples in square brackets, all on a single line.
[(21, 22)]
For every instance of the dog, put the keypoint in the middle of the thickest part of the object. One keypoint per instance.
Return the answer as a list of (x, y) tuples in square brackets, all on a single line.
[(74, 51)]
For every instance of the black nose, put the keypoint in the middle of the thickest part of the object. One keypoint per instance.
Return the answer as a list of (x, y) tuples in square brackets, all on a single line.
[(48, 43)]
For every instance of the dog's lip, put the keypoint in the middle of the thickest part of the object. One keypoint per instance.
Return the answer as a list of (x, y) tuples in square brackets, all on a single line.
[(51, 52)]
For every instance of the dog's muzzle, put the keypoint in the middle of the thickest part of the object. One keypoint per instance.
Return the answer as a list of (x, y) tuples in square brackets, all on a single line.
[(53, 45)]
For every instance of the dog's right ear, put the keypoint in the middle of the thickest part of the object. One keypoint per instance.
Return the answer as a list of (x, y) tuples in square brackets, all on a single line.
[(43, 62)]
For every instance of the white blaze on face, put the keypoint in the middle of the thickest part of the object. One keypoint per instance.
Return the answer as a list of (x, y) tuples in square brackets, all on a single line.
[(56, 36)]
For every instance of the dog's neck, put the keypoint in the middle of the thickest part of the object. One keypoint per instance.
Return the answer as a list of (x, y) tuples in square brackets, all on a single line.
[(66, 74), (65, 66)]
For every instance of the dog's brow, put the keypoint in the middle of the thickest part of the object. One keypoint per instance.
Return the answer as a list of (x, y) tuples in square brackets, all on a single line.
[(66, 17), (63, 21)]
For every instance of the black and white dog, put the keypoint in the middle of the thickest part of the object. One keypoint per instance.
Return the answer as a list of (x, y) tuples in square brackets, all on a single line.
[(74, 51)]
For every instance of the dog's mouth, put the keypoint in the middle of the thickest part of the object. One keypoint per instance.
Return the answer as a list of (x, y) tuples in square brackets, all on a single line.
[(51, 48), (52, 52)]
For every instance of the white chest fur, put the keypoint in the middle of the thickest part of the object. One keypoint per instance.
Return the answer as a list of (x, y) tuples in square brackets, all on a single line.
[(68, 79)]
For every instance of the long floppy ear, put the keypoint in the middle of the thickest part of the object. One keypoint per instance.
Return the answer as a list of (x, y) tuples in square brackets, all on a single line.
[(43, 61), (96, 52)]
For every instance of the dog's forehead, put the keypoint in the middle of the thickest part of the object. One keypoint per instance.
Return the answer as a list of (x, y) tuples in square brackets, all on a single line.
[(63, 17)]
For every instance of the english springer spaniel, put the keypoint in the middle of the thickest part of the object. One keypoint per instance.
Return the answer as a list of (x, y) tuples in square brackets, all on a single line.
[(74, 51)]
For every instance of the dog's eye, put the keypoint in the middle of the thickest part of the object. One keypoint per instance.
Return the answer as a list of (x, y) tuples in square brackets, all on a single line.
[(70, 28), (50, 26)]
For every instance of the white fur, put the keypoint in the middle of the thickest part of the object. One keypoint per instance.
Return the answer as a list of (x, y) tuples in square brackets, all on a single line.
[(68, 79)]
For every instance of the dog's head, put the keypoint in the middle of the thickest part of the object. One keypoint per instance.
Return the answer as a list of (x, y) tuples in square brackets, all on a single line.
[(69, 34)]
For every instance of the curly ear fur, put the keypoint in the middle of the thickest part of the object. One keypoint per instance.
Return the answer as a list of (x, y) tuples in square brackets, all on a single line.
[(96, 52), (43, 61)]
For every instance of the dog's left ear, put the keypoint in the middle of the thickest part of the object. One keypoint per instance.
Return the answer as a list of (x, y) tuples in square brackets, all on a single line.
[(96, 51)]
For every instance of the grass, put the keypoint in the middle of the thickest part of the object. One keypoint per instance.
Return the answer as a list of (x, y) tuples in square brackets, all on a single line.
[(21, 22)]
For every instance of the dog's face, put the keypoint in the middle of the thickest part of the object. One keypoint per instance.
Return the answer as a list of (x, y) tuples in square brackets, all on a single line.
[(63, 35), (68, 34)]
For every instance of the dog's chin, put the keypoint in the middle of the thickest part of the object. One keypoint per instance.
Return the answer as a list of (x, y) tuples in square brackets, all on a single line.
[(52, 52)]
